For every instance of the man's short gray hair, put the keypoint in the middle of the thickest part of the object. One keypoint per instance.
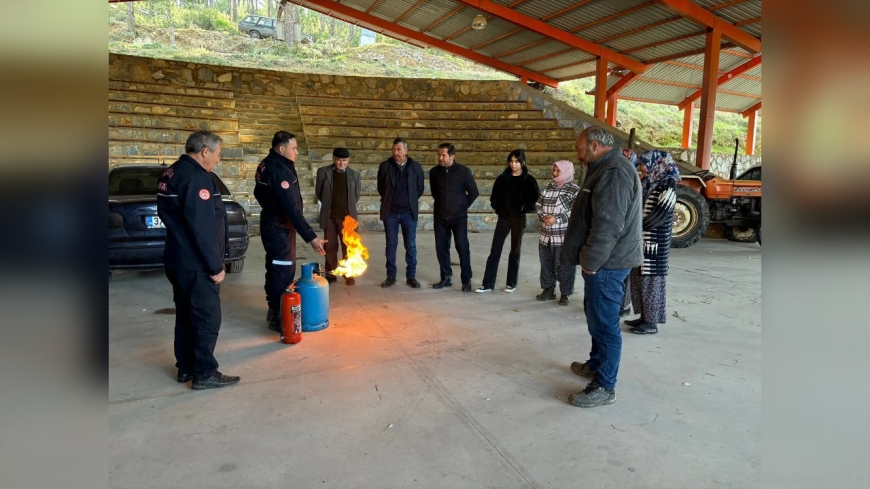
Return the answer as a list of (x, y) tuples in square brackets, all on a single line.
[(603, 137), (200, 140)]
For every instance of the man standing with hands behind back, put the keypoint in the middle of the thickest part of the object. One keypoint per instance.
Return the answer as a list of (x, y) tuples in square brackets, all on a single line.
[(277, 191), (190, 205), (454, 190), (604, 238), (337, 188)]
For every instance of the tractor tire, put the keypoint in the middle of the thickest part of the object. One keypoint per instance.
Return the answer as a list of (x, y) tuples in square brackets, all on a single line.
[(741, 234), (235, 266), (691, 217)]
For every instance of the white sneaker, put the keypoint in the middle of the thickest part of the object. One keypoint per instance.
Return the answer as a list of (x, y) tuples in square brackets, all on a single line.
[(509, 289), (482, 289)]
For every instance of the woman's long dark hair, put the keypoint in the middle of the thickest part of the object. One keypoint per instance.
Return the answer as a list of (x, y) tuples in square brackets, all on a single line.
[(519, 154)]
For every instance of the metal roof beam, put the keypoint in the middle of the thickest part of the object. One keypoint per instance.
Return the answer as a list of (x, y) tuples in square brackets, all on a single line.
[(612, 16), (750, 110), (621, 83), (753, 20), (682, 55), (463, 31), (329, 7), (409, 11), (664, 41), (723, 78), (699, 15), (442, 19), (639, 29), (547, 56), (547, 30), (726, 5), (522, 48), (373, 6), (496, 39), (565, 10)]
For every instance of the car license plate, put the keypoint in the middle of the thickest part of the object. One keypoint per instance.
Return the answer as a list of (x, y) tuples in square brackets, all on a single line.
[(153, 222)]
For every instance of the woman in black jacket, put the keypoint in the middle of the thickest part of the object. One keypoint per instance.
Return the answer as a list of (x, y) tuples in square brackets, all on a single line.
[(513, 196)]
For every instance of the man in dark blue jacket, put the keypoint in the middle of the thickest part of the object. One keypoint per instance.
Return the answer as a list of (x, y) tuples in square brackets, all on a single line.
[(400, 185), (277, 191), (454, 190), (189, 204)]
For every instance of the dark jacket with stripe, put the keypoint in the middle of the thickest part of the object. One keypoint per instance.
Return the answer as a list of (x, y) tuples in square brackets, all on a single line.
[(658, 223), (278, 193), (605, 226), (190, 206)]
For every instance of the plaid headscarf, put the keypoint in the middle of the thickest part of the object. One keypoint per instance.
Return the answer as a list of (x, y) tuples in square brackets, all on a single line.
[(659, 165)]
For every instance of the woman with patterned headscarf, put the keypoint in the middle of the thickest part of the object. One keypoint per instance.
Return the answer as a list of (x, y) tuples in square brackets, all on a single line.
[(659, 175), (554, 209)]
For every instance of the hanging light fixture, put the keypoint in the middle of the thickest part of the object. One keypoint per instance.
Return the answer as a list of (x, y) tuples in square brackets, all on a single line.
[(479, 21)]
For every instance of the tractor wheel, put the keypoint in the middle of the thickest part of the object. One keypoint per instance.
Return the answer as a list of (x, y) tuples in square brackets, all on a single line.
[(235, 266), (691, 217), (741, 234)]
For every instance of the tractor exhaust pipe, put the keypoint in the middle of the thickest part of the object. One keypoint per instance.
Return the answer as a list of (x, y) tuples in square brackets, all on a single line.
[(733, 174)]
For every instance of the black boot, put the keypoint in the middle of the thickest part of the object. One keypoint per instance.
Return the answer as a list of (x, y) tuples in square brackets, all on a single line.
[(635, 322), (624, 312), (549, 294), (216, 381), (275, 321), (445, 282), (645, 328)]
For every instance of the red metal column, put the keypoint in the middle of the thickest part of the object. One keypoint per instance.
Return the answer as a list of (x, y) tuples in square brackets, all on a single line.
[(688, 120), (611, 110), (750, 133), (599, 111), (708, 98)]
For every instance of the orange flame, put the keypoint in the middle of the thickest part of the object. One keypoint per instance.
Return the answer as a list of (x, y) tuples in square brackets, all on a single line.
[(354, 265)]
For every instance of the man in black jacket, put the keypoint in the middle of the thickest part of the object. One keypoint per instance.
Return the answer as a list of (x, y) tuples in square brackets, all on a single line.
[(189, 204), (400, 185), (454, 190), (604, 238), (277, 191)]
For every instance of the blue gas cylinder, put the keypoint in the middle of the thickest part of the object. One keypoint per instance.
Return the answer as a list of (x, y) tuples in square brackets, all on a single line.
[(314, 291)]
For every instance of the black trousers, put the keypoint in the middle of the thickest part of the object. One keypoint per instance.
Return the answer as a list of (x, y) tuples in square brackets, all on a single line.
[(458, 227), (333, 235), (197, 321), (280, 245), (516, 227)]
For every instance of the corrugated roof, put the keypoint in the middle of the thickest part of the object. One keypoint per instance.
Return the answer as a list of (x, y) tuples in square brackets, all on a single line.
[(640, 29)]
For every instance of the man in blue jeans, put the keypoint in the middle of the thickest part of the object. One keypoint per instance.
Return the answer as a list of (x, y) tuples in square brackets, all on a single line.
[(604, 238), (400, 185)]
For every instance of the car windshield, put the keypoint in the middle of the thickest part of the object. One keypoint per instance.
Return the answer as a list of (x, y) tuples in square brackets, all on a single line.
[(143, 181)]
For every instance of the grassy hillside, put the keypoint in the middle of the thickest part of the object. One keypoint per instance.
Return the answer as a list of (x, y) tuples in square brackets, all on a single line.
[(209, 36)]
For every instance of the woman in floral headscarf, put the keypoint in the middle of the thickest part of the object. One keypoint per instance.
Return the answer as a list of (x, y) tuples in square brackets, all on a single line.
[(554, 209), (659, 176)]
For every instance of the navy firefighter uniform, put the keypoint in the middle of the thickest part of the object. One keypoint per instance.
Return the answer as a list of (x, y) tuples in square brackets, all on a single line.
[(277, 191), (190, 206)]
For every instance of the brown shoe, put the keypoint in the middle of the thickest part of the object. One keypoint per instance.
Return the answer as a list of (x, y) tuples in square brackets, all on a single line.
[(583, 370), (349, 280)]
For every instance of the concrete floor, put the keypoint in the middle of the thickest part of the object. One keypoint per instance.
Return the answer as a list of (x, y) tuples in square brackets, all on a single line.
[(426, 388)]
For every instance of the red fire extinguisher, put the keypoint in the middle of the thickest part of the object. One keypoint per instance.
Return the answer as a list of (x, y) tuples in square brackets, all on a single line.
[(291, 316)]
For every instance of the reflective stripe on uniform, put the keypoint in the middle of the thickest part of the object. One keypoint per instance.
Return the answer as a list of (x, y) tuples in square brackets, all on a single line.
[(279, 262)]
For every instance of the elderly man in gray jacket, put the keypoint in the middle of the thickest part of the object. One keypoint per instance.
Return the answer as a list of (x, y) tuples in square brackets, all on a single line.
[(604, 238), (337, 188)]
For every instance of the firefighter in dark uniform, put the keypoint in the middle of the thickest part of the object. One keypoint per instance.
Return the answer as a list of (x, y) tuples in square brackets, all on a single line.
[(189, 204), (277, 191)]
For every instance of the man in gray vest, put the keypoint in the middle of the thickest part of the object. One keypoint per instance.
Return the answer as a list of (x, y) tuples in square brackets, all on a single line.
[(337, 188), (604, 238)]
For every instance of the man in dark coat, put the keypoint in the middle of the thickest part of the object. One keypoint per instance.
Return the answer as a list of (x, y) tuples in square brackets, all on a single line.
[(277, 191), (454, 190), (189, 204), (400, 185), (604, 238), (337, 187)]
